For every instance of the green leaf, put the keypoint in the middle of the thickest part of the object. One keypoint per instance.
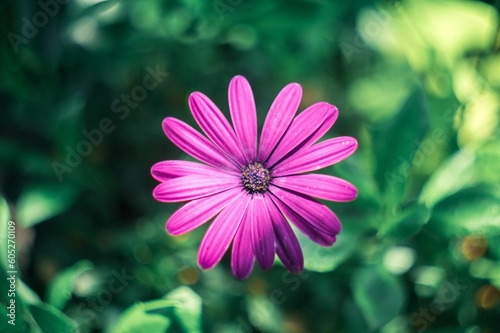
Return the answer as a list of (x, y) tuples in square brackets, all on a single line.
[(452, 176), (26, 293), (487, 162), (326, 259), (264, 314), (406, 224), (4, 325), (187, 308), (378, 294), (4, 224), (49, 319), (62, 286), (180, 309), (397, 143), (473, 210), (138, 319), (40, 203)]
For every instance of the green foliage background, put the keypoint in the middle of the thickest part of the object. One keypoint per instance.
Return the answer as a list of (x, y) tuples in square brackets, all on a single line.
[(416, 82)]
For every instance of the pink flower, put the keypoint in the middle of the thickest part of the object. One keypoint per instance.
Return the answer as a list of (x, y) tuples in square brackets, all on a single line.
[(254, 190)]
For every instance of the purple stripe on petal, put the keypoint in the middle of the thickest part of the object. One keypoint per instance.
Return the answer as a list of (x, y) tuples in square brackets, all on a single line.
[(221, 232), (215, 126), (319, 186), (262, 232), (166, 170), (315, 234), (305, 227), (193, 187), (302, 128), (311, 210), (244, 115), (193, 143), (279, 118), (287, 245), (325, 126), (317, 157), (197, 212), (242, 257)]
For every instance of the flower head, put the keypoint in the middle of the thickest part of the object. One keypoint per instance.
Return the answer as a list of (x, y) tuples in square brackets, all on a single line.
[(252, 191)]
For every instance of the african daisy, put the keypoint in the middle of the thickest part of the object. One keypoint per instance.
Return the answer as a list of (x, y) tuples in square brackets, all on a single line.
[(253, 191)]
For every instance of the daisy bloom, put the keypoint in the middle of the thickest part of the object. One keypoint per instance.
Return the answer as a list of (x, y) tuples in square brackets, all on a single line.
[(252, 191)]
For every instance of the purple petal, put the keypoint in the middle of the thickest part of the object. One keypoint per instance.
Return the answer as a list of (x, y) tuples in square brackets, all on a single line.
[(302, 129), (242, 257), (193, 187), (325, 126), (262, 232), (317, 157), (195, 144), (279, 118), (319, 186), (311, 210), (287, 245), (215, 126), (197, 212), (221, 232), (244, 115), (315, 234), (166, 170)]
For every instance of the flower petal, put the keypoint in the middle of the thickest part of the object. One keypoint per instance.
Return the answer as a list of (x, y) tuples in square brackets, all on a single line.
[(193, 143), (242, 257), (319, 186), (302, 128), (315, 234), (287, 244), (193, 187), (278, 119), (311, 210), (262, 232), (323, 128), (166, 170), (215, 126), (221, 232), (317, 157), (244, 115), (197, 212)]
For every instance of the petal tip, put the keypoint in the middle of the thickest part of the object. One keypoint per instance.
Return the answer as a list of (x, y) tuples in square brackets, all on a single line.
[(238, 78), (241, 275), (205, 264)]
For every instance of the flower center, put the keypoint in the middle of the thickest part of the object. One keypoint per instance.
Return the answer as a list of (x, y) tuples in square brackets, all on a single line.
[(255, 178)]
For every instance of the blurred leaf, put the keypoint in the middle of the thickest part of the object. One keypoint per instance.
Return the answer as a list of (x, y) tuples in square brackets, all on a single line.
[(453, 175), (4, 220), (368, 94), (181, 309), (187, 307), (26, 293), (359, 169), (139, 319), (396, 144), (4, 325), (39, 203), (406, 224), (453, 27), (479, 120), (62, 286), (487, 162), (379, 295), (473, 210), (326, 259), (264, 315), (49, 319)]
